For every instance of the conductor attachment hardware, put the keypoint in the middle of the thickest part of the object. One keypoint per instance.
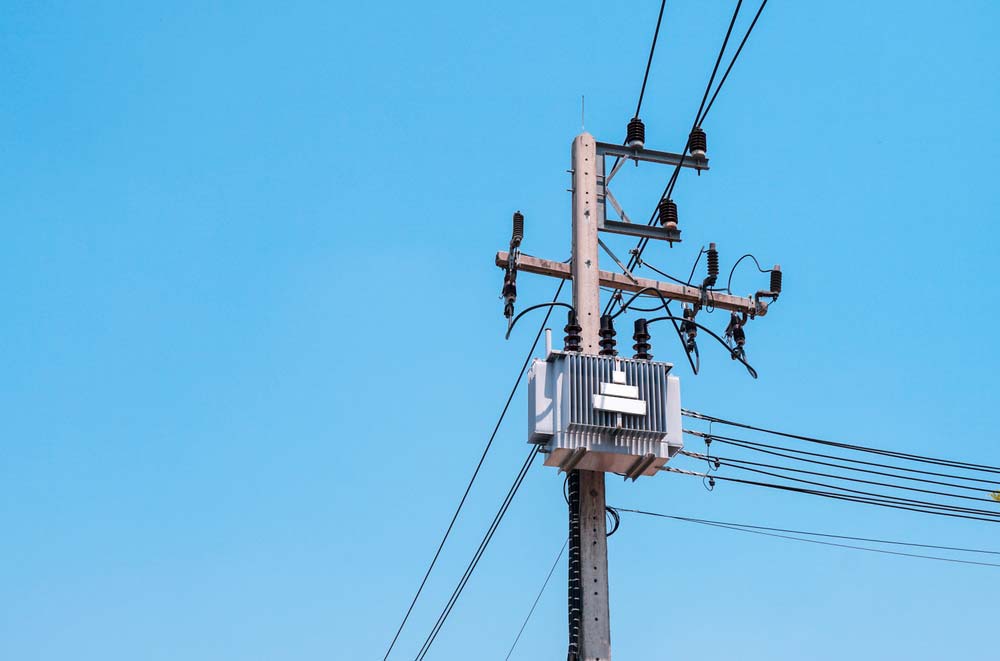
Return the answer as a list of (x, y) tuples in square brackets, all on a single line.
[(736, 337)]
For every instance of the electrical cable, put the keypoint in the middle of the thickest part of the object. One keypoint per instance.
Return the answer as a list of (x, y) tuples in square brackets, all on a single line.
[(699, 119), (535, 603), (848, 446), (729, 283), (477, 556), (814, 534), (743, 360), (739, 50), (836, 496), (725, 461), (750, 446), (649, 62), (551, 305), (666, 307), (885, 497), (760, 530), (475, 473)]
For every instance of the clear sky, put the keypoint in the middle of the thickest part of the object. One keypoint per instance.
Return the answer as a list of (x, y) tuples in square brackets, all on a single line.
[(252, 347)]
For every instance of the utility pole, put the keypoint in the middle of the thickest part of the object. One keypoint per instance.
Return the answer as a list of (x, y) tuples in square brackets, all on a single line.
[(591, 410), (594, 618)]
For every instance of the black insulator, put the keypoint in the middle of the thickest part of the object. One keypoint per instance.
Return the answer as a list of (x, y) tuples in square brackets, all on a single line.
[(668, 213), (518, 233), (697, 143), (713, 265), (776, 279), (635, 135), (607, 334), (573, 339), (641, 337)]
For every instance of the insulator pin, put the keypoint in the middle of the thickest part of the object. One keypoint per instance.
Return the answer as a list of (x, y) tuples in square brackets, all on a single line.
[(607, 333), (776, 279), (635, 134), (641, 337), (518, 232), (573, 339), (697, 142), (667, 209)]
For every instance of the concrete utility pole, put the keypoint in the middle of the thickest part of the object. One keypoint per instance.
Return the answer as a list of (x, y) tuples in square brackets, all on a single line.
[(595, 621), (572, 391)]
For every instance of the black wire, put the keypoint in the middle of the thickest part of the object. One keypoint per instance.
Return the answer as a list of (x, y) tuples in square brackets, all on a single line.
[(667, 275), (749, 446), (718, 339), (695, 265), (725, 462), (882, 496), (853, 499), (699, 119), (649, 62), (759, 530), (736, 55), (475, 473), (814, 534), (729, 283), (530, 612), (615, 521), (677, 329), (848, 446), (734, 441), (535, 307), (443, 617)]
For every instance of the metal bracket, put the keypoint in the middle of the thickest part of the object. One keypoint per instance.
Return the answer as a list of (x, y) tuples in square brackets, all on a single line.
[(644, 231), (652, 156)]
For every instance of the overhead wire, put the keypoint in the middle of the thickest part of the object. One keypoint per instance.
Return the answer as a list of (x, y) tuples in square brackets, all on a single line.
[(869, 500), (777, 532), (699, 119), (537, 598), (731, 462), (748, 445), (477, 556), (649, 62), (475, 474), (983, 468)]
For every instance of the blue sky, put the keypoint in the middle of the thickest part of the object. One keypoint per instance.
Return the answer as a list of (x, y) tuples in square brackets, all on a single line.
[(252, 345)]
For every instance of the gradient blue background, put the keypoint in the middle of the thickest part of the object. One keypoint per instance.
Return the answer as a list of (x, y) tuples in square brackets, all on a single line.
[(251, 342)]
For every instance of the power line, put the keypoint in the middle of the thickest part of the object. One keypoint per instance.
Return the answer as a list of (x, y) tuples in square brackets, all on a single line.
[(475, 473), (757, 444), (886, 497), (871, 499), (477, 556), (749, 446), (774, 532), (699, 119), (849, 446), (649, 62), (735, 55), (535, 603), (733, 463)]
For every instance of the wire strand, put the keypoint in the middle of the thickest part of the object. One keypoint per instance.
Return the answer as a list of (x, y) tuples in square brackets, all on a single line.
[(649, 62), (475, 473), (477, 556), (774, 532), (849, 446), (537, 598)]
